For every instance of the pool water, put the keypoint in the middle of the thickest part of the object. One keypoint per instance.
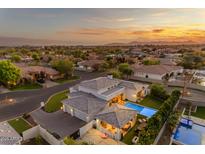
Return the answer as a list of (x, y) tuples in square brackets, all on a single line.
[(148, 112), (190, 136)]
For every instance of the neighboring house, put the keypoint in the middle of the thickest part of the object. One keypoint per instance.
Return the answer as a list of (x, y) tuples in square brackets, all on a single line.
[(102, 98), (89, 65), (199, 74), (167, 61), (173, 55), (8, 136), (137, 53), (157, 72), (31, 72)]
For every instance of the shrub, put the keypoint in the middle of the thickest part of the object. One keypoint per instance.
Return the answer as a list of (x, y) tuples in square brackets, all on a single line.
[(69, 141), (158, 92), (156, 122)]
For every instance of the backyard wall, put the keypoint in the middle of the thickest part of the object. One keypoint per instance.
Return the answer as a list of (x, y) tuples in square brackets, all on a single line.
[(31, 133), (87, 127), (38, 130)]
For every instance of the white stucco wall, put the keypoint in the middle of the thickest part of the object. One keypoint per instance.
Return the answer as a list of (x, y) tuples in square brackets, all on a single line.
[(85, 128), (151, 76), (77, 113), (31, 133), (130, 94), (38, 130)]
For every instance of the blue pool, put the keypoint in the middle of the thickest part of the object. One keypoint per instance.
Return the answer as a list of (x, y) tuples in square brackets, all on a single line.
[(148, 112), (190, 135)]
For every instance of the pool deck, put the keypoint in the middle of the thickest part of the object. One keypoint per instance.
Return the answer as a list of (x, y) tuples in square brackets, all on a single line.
[(202, 122), (197, 121)]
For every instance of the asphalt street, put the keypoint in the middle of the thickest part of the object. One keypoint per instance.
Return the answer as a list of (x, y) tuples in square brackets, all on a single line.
[(27, 101)]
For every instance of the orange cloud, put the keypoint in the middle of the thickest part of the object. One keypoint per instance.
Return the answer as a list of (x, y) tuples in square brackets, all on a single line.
[(149, 34)]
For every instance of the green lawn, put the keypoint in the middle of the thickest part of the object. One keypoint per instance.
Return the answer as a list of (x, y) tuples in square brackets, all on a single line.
[(54, 103), (26, 87), (61, 81), (19, 124), (200, 113), (36, 141), (151, 102), (127, 139)]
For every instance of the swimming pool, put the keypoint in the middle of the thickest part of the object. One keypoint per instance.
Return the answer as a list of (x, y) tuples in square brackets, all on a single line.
[(190, 135), (148, 112)]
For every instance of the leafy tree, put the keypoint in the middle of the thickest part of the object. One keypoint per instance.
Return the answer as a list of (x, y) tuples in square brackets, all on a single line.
[(158, 92), (15, 58), (9, 73), (36, 56), (104, 66), (151, 62), (122, 67), (173, 120), (65, 67), (192, 61), (96, 66), (128, 72), (155, 123), (115, 74), (125, 69)]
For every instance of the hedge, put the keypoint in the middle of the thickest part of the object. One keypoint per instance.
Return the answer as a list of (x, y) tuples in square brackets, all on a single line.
[(155, 123)]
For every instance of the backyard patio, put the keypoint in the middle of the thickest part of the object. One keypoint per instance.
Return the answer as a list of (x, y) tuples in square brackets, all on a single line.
[(94, 136)]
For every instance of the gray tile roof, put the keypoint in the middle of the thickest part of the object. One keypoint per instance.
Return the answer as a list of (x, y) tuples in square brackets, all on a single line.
[(112, 90), (117, 115), (8, 136), (133, 85), (100, 83), (84, 102), (155, 69)]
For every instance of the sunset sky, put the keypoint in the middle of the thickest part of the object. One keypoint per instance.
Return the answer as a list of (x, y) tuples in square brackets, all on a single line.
[(101, 26)]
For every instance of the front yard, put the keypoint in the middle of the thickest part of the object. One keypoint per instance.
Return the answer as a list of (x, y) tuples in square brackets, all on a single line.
[(26, 87), (151, 102), (71, 79), (54, 102), (200, 112), (19, 124)]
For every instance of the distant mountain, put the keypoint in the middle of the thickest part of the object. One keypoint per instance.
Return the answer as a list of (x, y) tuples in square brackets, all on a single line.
[(18, 41), (134, 43)]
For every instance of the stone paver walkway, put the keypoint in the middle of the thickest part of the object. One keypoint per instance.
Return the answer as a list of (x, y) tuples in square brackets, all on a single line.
[(93, 136)]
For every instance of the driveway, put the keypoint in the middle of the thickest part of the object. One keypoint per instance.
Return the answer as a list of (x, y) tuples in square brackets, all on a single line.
[(93, 136), (27, 101), (59, 122)]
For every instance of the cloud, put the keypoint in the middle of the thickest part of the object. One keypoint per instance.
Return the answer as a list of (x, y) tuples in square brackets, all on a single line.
[(125, 19), (157, 30), (108, 20), (147, 34)]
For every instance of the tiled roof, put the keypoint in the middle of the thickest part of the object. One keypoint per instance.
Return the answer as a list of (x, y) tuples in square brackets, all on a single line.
[(38, 69), (91, 63), (86, 103), (155, 69), (100, 83), (8, 136), (133, 85), (117, 115)]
